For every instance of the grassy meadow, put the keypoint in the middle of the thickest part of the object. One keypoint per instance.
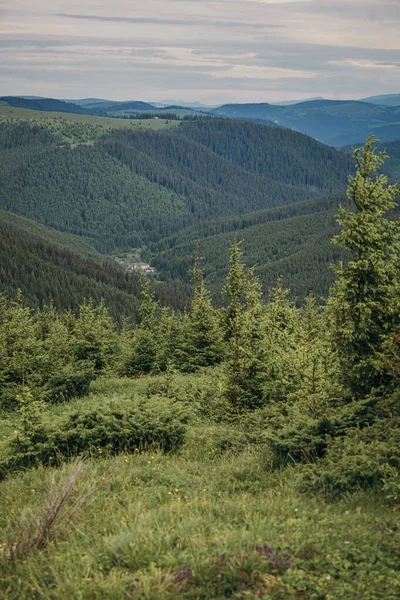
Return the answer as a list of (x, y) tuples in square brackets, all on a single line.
[(10, 112), (208, 519), (76, 129)]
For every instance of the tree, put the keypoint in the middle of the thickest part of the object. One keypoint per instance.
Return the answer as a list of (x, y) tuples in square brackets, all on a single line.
[(144, 347), (201, 337), (245, 365), (366, 297)]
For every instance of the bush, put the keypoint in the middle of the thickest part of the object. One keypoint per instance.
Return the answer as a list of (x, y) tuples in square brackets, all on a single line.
[(300, 433), (367, 458), (107, 428)]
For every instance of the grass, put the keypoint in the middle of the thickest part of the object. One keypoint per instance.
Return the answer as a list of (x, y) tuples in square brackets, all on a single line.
[(9, 112), (210, 521)]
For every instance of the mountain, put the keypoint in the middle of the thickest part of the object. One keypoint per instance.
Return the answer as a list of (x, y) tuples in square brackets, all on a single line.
[(85, 101), (392, 164), (110, 106), (129, 189), (132, 187), (332, 122), (51, 266), (291, 241), (44, 104), (386, 100), (292, 102)]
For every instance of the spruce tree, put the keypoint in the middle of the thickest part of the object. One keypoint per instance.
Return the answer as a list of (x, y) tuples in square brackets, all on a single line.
[(366, 297), (245, 366), (201, 337), (144, 349)]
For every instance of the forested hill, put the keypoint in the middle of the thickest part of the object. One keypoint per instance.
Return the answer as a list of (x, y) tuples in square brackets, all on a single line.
[(129, 188), (49, 266), (44, 104), (334, 122), (290, 241)]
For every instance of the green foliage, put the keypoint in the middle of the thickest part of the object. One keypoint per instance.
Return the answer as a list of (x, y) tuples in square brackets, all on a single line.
[(95, 337), (110, 427), (245, 364), (145, 351), (54, 356), (366, 298), (367, 458), (19, 350), (200, 342), (300, 364), (191, 524)]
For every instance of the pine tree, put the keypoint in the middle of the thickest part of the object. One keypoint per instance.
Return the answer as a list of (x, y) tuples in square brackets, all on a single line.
[(142, 358), (366, 297), (245, 366), (201, 337)]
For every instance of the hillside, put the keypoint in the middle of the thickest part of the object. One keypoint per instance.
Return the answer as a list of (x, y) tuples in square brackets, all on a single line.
[(44, 104), (130, 188), (47, 265), (385, 99), (291, 241), (244, 451), (392, 164), (71, 122), (332, 122)]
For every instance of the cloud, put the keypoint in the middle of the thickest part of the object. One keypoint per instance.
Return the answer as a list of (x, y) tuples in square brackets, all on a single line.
[(180, 22), (207, 50)]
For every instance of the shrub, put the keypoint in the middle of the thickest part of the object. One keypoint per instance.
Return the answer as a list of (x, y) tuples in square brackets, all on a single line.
[(300, 433), (368, 458), (107, 428)]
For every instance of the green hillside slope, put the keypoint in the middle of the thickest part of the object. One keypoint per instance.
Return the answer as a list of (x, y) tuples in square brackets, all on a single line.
[(47, 265), (44, 104), (130, 188), (333, 122), (291, 241)]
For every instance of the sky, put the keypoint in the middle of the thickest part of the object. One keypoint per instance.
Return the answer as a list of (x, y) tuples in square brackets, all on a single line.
[(210, 51)]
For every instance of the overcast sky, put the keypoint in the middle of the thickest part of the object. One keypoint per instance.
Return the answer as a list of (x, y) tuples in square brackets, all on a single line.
[(211, 51)]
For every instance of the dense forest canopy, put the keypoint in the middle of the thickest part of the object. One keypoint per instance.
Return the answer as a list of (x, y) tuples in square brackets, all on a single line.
[(151, 189)]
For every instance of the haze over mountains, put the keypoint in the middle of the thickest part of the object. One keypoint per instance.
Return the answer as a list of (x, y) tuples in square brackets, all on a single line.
[(333, 122)]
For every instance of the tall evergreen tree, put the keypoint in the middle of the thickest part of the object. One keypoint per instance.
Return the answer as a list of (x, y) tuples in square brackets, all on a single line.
[(201, 339), (366, 296), (245, 365), (144, 348)]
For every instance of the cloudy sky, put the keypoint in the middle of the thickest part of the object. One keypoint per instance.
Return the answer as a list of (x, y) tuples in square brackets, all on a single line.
[(211, 51)]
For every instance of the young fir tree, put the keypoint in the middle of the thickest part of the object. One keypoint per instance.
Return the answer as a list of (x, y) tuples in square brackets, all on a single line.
[(245, 365), (95, 337), (201, 337), (19, 350), (144, 348), (366, 297)]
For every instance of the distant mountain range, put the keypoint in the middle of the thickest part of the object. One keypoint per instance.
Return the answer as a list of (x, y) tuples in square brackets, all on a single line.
[(333, 122), (387, 99)]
